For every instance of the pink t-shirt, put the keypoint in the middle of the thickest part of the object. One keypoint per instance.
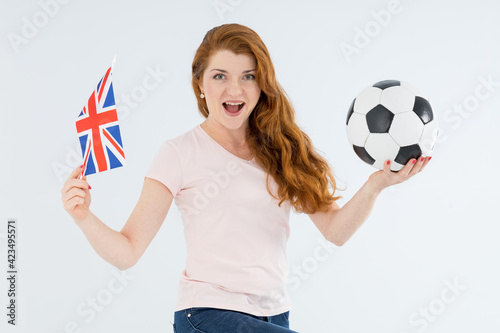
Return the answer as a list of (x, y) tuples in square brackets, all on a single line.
[(235, 232)]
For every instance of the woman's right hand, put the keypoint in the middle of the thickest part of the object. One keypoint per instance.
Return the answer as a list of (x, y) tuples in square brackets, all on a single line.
[(76, 195)]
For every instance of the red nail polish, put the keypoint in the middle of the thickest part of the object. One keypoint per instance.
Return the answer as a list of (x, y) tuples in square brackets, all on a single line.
[(430, 158), (388, 162), (414, 161), (422, 159), (81, 166), (90, 187)]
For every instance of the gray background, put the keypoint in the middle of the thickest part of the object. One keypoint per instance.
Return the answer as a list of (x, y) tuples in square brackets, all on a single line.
[(438, 230)]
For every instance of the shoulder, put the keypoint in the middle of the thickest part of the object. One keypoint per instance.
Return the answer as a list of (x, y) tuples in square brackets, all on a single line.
[(185, 147)]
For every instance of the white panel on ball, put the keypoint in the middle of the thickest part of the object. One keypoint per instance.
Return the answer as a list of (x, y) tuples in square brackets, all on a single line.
[(381, 147), (357, 131), (397, 99), (367, 100), (406, 128), (429, 137), (413, 89)]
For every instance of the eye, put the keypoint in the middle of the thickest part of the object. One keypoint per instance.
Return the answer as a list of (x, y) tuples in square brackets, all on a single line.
[(219, 76), (249, 77)]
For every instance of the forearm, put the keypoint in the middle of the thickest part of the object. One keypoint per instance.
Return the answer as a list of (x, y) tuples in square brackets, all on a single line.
[(346, 220), (110, 244)]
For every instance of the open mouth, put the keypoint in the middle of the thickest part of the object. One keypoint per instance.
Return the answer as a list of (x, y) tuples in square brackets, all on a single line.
[(233, 107)]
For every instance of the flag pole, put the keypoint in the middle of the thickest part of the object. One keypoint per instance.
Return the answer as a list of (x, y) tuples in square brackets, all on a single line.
[(113, 64)]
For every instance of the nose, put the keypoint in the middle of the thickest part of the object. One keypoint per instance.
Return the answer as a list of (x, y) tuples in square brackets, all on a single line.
[(234, 87)]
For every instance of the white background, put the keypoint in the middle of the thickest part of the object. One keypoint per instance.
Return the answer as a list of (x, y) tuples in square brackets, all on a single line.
[(438, 229)]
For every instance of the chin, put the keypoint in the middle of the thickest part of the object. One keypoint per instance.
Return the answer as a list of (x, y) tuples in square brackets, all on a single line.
[(235, 124), (232, 121)]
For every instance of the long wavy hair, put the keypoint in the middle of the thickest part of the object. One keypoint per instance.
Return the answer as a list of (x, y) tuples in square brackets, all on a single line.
[(277, 143)]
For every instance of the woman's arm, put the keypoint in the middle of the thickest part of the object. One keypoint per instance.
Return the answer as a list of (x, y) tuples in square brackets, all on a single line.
[(121, 249), (338, 224)]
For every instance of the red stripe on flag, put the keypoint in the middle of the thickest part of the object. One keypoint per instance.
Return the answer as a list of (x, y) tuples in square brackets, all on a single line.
[(113, 142), (93, 122), (96, 137)]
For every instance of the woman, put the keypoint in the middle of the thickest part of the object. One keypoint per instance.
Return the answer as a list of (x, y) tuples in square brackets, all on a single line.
[(235, 178)]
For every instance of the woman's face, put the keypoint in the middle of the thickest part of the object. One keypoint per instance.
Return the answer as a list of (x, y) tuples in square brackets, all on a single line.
[(230, 89)]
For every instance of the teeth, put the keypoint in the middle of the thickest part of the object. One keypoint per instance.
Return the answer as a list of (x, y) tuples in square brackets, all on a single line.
[(233, 103)]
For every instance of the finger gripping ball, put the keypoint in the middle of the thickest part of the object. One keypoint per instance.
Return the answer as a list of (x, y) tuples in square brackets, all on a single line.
[(391, 120)]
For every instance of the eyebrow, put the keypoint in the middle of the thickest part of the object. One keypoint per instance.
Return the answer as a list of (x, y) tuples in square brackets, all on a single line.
[(224, 71)]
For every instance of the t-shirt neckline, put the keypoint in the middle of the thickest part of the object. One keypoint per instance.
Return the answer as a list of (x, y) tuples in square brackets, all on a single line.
[(224, 149)]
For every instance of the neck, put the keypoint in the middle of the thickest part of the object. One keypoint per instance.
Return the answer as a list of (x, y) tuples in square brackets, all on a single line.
[(221, 134)]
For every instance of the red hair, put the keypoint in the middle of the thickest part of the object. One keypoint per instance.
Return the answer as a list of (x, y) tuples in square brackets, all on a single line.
[(277, 143)]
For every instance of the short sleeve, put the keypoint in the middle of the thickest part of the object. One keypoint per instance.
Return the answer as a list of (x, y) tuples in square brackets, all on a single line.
[(167, 168)]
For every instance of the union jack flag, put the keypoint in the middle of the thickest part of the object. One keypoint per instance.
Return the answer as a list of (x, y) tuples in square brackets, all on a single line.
[(97, 127)]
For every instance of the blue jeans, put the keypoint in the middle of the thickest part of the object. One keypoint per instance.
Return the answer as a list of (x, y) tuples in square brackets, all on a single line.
[(211, 320)]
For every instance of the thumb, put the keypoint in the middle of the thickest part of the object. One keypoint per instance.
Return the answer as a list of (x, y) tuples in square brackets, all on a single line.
[(387, 166)]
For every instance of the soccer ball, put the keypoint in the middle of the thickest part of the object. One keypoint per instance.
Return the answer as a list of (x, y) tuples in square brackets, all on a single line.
[(391, 120)]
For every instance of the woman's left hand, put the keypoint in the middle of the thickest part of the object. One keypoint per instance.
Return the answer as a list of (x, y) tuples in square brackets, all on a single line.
[(385, 178)]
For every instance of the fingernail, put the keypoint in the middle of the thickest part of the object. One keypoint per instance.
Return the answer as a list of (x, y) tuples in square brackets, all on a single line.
[(90, 187), (422, 159), (81, 166), (430, 158), (414, 161), (388, 162)]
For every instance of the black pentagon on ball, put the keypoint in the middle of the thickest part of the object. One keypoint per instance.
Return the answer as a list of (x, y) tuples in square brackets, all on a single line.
[(351, 111), (363, 154), (407, 153), (379, 119), (387, 83), (423, 109)]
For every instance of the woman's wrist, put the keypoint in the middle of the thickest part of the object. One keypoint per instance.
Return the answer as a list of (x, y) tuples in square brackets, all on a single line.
[(83, 222), (373, 186)]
